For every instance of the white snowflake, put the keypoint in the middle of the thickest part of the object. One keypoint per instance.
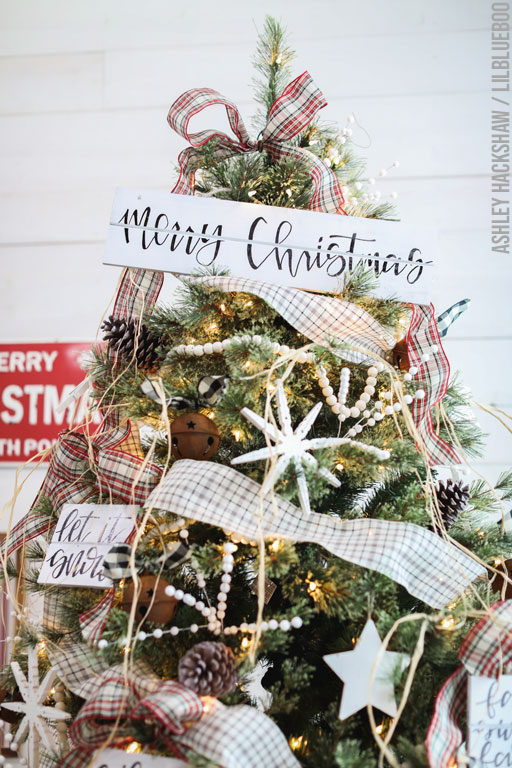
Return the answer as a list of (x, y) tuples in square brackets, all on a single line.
[(292, 447), (34, 712)]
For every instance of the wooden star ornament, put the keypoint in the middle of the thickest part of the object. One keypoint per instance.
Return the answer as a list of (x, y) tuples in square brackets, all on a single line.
[(355, 668), (35, 713)]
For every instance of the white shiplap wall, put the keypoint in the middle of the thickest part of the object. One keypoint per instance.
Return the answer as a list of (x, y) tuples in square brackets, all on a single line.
[(85, 88)]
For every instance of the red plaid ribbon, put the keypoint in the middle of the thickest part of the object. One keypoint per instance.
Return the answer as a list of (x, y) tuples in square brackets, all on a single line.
[(486, 650), (118, 703), (117, 474), (288, 116), (435, 372)]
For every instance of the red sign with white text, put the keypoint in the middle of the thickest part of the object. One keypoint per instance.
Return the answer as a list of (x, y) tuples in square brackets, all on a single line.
[(35, 380)]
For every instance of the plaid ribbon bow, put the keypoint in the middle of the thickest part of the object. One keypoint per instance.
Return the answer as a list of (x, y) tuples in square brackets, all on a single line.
[(288, 116), (120, 702), (231, 737), (210, 390), (486, 651), (69, 479)]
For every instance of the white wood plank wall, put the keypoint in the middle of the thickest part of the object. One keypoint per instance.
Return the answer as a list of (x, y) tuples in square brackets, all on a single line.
[(85, 88)]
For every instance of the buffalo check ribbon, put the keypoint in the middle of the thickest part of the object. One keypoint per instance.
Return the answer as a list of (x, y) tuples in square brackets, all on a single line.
[(430, 568), (486, 651), (230, 737), (423, 340), (450, 315), (295, 108)]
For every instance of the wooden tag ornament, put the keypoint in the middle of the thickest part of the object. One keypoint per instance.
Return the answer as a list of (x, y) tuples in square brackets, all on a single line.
[(194, 436), (152, 590)]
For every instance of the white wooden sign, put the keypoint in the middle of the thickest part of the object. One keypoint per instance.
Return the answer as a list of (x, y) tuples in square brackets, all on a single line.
[(83, 536), (117, 758), (490, 720), (303, 249)]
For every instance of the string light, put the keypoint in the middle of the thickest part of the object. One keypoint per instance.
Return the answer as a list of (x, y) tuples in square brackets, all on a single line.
[(245, 643), (222, 307), (312, 587), (339, 467), (448, 623), (133, 747), (213, 326), (379, 729), (296, 742), (237, 435), (275, 545)]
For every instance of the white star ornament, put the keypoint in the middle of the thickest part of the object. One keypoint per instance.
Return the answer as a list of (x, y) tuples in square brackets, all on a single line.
[(355, 669), (32, 708)]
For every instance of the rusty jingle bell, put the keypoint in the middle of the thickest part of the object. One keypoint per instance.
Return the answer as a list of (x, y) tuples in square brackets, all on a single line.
[(152, 602), (194, 436)]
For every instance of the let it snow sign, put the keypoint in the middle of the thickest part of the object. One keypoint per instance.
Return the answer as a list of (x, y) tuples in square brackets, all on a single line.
[(302, 249), (490, 721), (83, 536)]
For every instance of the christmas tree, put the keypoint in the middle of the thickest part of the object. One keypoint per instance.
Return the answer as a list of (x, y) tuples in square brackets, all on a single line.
[(292, 546)]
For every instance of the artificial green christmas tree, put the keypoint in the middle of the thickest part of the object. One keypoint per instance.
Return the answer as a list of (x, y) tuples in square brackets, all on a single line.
[(286, 507)]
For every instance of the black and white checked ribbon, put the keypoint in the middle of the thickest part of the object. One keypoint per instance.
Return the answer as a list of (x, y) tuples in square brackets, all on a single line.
[(430, 568), (322, 319), (449, 316), (209, 391), (116, 564)]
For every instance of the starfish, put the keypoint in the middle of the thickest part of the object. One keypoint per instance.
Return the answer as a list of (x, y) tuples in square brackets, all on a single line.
[(32, 707), (292, 447)]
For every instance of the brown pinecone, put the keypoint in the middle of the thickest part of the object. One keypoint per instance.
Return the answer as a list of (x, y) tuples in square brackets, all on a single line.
[(452, 498), (208, 669), (122, 338)]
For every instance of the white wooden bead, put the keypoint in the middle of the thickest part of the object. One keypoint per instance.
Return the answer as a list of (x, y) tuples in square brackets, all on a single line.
[(420, 394), (351, 432), (408, 399), (226, 343), (388, 410), (174, 631), (336, 408), (413, 369), (331, 400), (407, 377), (354, 412), (369, 389), (372, 371), (397, 407), (296, 622), (189, 349), (371, 422), (365, 397), (257, 339), (217, 346), (366, 414), (371, 381), (358, 428), (360, 405), (208, 348), (345, 411), (378, 416), (326, 391), (283, 349)]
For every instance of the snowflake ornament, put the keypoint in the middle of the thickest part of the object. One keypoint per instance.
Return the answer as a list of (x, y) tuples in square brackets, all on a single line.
[(32, 708), (292, 447)]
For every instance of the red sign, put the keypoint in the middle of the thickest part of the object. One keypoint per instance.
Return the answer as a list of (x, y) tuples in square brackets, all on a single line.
[(35, 380)]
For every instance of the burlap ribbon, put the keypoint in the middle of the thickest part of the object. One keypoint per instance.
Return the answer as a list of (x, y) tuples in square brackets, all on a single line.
[(290, 114), (486, 651)]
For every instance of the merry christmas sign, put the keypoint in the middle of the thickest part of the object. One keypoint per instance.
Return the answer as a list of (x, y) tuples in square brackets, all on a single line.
[(83, 536), (301, 249)]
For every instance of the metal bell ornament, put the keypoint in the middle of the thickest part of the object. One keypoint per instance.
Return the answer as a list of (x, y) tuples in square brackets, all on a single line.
[(194, 436)]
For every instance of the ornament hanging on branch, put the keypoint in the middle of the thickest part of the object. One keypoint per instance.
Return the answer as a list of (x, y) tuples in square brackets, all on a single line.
[(152, 602), (194, 436), (292, 448), (35, 713), (131, 339), (356, 669), (209, 669)]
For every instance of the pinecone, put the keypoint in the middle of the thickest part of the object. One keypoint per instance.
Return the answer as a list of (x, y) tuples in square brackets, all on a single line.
[(122, 338), (452, 498), (208, 669)]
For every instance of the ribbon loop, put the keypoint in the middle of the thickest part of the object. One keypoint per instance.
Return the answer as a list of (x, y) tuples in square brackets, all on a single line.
[(291, 112)]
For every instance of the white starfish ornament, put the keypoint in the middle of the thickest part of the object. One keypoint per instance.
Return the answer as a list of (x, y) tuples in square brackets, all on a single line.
[(292, 447), (34, 712)]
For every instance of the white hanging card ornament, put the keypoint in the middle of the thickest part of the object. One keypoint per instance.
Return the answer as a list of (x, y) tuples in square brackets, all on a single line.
[(119, 758), (490, 720), (84, 534), (356, 669), (292, 447), (35, 713)]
